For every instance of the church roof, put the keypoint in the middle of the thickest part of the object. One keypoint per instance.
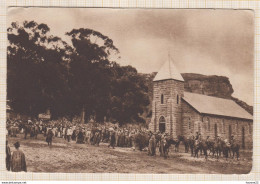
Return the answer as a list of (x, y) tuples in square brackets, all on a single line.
[(216, 106), (168, 71)]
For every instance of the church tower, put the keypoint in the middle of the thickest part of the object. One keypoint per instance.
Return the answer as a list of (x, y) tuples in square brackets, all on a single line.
[(168, 88)]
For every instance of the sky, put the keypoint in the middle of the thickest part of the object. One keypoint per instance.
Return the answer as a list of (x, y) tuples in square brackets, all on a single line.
[(205, 41)]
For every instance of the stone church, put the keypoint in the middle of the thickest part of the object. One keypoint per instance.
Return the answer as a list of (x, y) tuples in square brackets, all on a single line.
[(177, 112)]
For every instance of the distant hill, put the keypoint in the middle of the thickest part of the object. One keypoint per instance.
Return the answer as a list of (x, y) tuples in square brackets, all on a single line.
[(211, 85)]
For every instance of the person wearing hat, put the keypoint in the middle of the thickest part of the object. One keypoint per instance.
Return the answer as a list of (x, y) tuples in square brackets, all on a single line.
[(8, 156), (162, 143), (112, 139), (80, 137), (232, 139), (69, 133), (26, 130), (197, 136), (18, 162), (152, 145), (207, 139), (49, 137)]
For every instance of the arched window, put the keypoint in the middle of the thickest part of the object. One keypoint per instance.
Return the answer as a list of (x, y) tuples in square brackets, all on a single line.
[(177, 99), (223, 126), (162, 126), (207, 122), (199, 127), (216, 130), (189, 123), (162, 99), (162, 119), (243, 137)]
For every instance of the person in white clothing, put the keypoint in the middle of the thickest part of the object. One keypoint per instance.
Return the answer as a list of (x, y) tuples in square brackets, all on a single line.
[(69, 134)]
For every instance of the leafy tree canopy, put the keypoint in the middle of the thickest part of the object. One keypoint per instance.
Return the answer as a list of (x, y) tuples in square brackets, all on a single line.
[(44, 72), (36, 68)]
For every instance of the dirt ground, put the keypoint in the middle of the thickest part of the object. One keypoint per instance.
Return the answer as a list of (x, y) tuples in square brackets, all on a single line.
[(83, 158)]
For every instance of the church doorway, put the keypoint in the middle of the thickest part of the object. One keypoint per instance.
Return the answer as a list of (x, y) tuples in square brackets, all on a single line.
[(162, 123), (243, 137)]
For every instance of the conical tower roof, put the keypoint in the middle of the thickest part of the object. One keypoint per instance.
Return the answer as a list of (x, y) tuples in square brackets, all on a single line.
[(168, 71)]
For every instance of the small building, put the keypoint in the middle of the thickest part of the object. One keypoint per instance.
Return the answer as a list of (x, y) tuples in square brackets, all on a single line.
[(182, 113)]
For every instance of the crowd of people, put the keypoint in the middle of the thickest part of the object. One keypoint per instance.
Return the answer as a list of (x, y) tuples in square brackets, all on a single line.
[(90, 133), (131, 136)]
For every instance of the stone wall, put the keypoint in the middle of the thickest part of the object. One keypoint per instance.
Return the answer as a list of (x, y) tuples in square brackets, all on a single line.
[(225, 127), (211, 85), (170, 109), (189, 117), (212, 125)]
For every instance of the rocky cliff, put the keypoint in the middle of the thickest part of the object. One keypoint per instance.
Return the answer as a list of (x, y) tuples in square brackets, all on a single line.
[(211, 85), (208, 85)]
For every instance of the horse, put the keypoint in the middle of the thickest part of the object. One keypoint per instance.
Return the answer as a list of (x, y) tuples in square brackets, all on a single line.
[(165, 145), (192, 144), (226, 148), (176, 146), (210, 145), (235, 149), (185, 142), (217, 148), (201, 145)]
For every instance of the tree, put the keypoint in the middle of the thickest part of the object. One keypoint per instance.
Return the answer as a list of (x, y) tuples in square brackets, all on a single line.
[(91, 71), (37, 72), (102, 87), (44, 72), (129, 95)]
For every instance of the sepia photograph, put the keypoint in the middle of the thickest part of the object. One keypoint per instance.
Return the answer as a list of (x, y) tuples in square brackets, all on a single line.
[(107, 90)]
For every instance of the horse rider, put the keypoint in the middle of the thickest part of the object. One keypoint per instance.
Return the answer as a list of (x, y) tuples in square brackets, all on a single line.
[(207, 139), (232, 139), (218, 139), (197, 136)]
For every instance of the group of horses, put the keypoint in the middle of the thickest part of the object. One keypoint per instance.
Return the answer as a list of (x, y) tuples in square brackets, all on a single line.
[(216, 147), (197, 147)]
